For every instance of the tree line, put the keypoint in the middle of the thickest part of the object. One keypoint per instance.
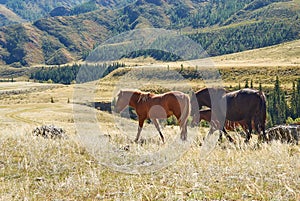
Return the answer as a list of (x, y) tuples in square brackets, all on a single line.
[(76, 73), (283, 107)]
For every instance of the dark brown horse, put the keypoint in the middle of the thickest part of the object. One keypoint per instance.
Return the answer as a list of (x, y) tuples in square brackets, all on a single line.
[(153, 107), (228, 125), (246, 105)]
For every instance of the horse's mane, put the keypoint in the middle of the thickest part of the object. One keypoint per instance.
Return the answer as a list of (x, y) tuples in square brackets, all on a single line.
[(144, 96)]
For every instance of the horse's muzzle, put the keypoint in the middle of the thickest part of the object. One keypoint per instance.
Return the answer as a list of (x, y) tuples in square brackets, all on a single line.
[(116, 110)]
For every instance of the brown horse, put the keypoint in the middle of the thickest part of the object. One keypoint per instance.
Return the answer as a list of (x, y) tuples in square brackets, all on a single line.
[(246, 105), (153, 107)]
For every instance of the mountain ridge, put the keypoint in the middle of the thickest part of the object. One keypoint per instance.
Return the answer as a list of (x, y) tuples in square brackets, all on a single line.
[(73, 37)]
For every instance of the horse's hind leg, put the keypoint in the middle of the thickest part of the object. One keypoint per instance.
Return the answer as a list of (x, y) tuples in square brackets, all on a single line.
[(141, 123), (183, 128), (183, 134), (249, 131), (158, 129), (263, 128)]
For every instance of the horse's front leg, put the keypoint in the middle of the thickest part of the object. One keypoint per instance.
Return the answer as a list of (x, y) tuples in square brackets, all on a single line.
[(158, 129), (228, 136), (141, 123)]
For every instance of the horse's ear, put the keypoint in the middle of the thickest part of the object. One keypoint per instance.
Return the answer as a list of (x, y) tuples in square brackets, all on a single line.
[(120, 93)]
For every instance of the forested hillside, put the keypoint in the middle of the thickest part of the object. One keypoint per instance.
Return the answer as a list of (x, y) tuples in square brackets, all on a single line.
[(220, 27), (34, 9)]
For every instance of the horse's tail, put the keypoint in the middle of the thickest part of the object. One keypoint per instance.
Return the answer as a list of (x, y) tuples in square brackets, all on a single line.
[(263, 113), (263, 107), (185, 113)]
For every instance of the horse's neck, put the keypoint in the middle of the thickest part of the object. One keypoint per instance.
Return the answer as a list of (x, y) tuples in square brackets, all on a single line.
[(134, 99), (204, 99)]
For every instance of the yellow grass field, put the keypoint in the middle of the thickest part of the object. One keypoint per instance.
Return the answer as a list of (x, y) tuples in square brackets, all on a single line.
[(98, 160)]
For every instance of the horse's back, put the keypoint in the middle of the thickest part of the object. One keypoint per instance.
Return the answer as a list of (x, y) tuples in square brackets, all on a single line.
[(243, 104), (243, 94), (168, 100)]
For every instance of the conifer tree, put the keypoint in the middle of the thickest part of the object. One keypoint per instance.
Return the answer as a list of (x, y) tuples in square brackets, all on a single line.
[(247, 84)]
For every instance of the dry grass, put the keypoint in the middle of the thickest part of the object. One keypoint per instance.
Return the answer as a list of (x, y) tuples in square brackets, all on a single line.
[(38, 169), (34, 168), (285, 54)]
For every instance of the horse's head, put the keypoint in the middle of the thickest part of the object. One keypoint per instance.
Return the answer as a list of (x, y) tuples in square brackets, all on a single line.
[(123, 99)]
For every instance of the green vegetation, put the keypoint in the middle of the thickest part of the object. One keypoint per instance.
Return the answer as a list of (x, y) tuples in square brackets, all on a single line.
[(281, 107), (247, 36), (84, 8), (75, 73), (35, 9), (206, 14), (156, 54), (15, 38)]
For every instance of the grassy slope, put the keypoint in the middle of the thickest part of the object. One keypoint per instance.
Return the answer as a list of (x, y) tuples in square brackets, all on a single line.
[(36, 168), (262, 65), (285, 54)]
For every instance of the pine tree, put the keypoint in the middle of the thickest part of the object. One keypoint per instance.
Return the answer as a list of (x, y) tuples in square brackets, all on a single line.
[(294, 102), (260, 87), (277, 106), (247, 84), (298, 98)]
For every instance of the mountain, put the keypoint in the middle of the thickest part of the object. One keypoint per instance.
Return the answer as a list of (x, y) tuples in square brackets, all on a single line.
[(8, 17), (32, 10), (221, 27)]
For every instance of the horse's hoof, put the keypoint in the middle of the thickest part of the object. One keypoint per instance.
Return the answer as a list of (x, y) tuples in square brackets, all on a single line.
[(183, 138), (125, 148)]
